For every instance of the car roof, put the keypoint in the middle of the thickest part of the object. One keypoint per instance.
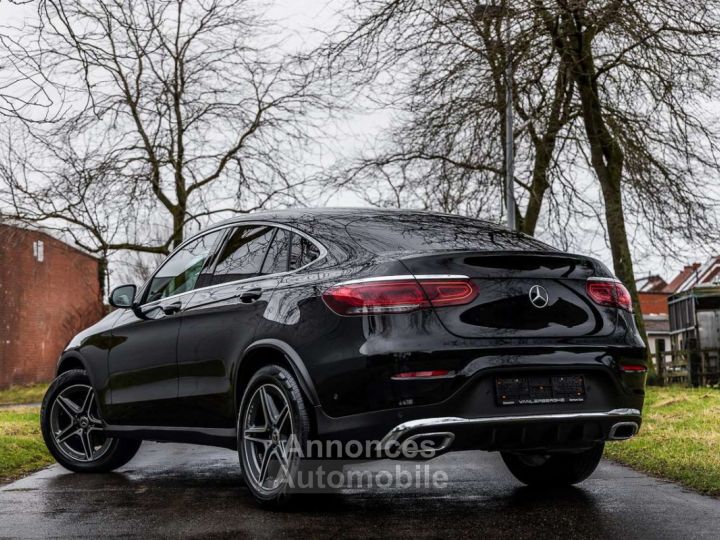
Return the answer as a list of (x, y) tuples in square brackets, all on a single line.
[(388, 231), (339, 215)]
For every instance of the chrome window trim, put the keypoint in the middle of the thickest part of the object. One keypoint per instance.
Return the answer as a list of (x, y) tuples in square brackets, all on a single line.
[(321, 247), (401, 277)]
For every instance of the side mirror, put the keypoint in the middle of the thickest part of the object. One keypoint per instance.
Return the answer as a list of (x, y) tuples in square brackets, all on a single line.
[(123, 296)]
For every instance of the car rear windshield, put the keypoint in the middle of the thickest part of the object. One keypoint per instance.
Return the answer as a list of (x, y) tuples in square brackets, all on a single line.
[(432, 232)]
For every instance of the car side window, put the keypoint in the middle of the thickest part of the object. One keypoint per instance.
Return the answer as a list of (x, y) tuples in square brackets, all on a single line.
[(302, 252), (180, 272), (276, 260), (243, 254)]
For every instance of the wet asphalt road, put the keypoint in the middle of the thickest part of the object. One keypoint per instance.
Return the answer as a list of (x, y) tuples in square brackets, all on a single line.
[(172, 490)]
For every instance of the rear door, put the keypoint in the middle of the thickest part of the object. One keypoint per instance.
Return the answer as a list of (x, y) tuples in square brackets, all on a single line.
[(522, 294), (221, 318)]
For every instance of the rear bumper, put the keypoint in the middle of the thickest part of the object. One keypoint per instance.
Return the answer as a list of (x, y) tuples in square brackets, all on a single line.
[(558, 431), (365, 384), (474, 419)]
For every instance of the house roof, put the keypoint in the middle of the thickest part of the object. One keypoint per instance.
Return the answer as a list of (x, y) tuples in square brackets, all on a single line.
[(687, 277), (698, 275), (651, 284), (657, 325)]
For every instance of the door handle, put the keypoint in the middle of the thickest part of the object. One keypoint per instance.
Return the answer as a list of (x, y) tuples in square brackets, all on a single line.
[(248, 297), (171, 309)]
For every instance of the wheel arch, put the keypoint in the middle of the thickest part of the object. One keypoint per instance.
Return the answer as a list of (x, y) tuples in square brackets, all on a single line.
[(71, 360), (266, 351)]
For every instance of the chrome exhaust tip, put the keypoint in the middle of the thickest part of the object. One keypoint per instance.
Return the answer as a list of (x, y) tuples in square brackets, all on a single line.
[(427, 445), (623, 431)]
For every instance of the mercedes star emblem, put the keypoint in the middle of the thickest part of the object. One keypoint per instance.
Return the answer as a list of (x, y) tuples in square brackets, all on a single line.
[(539, 296)]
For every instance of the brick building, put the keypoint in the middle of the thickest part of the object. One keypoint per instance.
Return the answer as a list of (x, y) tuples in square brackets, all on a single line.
[(654, 294), (48, 292)]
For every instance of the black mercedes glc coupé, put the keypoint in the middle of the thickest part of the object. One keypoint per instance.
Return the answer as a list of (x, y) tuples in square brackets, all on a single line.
[(367, 325)]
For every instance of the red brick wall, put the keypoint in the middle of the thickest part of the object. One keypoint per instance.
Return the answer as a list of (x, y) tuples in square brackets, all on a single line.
[(653, 303), (42, 304)]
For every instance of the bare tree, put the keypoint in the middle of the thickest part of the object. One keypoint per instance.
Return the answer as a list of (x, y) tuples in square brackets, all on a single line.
[(445, 67), (152, 116), (615, 88), (642, 71)]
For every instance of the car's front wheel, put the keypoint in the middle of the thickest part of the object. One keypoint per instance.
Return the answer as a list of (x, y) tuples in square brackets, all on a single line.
[(557, 469), (271, 421), (72, 429)]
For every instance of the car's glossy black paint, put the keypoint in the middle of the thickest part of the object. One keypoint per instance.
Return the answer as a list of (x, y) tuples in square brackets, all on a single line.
[(180, 376)]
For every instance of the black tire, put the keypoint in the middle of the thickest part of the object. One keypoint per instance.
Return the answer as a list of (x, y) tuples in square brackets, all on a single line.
[(112, 452), (280, 384), (553, 470)]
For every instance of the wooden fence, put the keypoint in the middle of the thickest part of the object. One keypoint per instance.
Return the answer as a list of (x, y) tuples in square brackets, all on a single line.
[(691, 367)]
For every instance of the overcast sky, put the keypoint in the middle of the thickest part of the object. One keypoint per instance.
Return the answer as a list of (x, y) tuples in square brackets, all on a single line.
[(305, 20)]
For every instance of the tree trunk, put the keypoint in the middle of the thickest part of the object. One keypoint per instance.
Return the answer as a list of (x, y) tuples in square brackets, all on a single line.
[(538, 187), (102, 274), (607, 160), (545, 147), (178, 215), (620, 248)]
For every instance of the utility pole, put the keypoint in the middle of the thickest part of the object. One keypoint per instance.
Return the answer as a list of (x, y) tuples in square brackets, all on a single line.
[(502, 11)]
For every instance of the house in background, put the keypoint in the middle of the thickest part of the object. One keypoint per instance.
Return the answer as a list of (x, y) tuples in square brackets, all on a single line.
[(49, 291), (695, 308), (653, 296), (683, 318)]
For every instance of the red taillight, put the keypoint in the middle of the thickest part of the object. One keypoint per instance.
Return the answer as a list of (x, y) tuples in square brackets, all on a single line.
[(623, 297), (428, 374), (398, 295), (601, 292), (633, 368), (609, 293), (450, 292)]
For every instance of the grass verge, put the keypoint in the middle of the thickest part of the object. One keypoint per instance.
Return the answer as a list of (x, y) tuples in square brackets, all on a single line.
[(679, 439), (22, 449), (23, 394)]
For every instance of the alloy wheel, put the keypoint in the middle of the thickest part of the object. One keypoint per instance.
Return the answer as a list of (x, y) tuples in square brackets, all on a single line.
[(76, 426), (267, 433)]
